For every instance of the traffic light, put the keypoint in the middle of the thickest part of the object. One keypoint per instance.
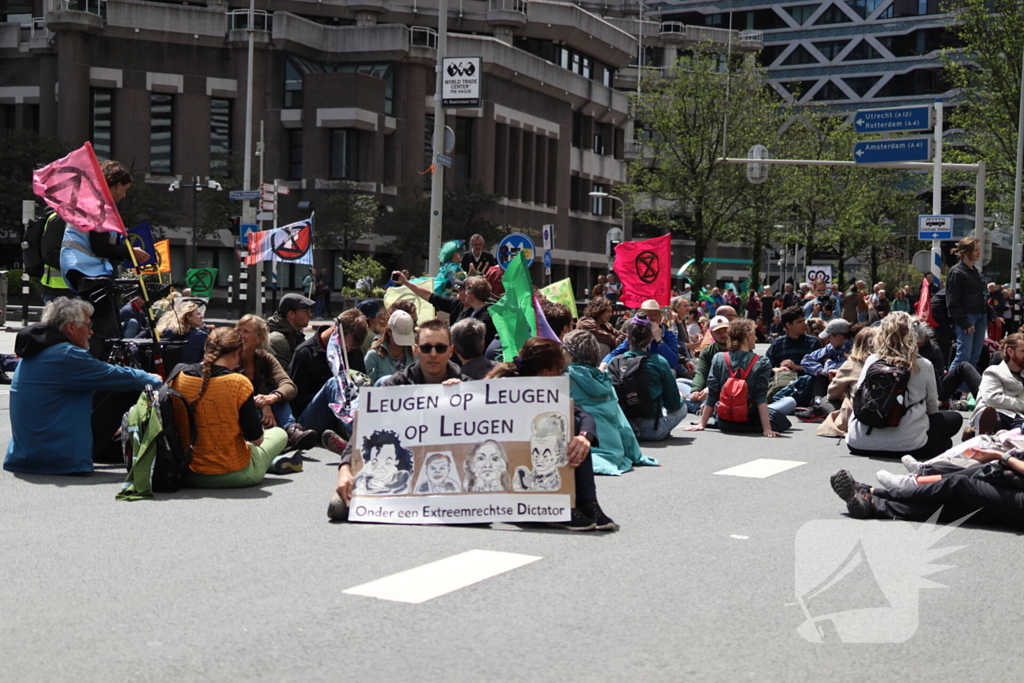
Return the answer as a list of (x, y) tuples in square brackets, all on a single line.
[(235, 222)]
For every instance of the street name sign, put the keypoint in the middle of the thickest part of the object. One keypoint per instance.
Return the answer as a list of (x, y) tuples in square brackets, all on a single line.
[(243, 195)]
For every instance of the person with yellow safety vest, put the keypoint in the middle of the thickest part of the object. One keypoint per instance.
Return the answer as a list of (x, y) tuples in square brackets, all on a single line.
[(88, 260), (51, 283)]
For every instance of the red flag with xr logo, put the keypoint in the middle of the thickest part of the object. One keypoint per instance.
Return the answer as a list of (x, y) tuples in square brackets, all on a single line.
[(645, 269), (76, 189)]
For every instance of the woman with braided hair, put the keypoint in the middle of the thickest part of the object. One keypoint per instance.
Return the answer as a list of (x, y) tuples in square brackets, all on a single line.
[(232, 450), (545, 358)]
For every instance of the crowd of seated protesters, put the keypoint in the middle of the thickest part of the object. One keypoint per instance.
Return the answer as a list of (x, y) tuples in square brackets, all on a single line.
[(184, 323)]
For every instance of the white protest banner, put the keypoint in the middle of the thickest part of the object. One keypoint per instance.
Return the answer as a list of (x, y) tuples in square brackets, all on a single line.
[(487, 451), (815, 273)]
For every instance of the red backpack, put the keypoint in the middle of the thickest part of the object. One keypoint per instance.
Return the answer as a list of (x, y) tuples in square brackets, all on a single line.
[(733, 404)]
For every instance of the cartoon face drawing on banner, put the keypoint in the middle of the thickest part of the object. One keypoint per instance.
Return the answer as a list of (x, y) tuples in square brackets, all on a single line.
[(387, 466), (438, 475), (548, 452), (291, 244), (647, 266), (487, 467)]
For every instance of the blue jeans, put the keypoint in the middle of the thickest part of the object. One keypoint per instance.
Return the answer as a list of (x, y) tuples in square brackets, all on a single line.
[(130, 328), (283, 414), (647, 431), (968, 346), (318, 415)]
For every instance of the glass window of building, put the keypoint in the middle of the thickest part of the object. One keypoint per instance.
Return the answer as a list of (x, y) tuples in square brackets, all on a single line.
[(295, 154), (161, 134), (102, 122), (344, 154), (220, 137)]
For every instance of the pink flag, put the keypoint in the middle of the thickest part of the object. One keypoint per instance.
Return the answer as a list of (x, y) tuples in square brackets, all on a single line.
[(76, 189), (645, 269)]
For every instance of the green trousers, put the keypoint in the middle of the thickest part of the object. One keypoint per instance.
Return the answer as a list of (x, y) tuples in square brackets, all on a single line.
[(260, 457)]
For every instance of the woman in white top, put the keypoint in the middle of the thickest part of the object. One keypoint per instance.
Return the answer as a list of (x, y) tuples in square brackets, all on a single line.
[(924, 431)]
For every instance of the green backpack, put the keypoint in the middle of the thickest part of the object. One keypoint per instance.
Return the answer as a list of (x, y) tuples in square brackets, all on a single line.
[(158, 459)]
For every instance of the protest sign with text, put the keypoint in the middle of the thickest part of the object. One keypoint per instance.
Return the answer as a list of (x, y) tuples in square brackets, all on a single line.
[(487, 451)]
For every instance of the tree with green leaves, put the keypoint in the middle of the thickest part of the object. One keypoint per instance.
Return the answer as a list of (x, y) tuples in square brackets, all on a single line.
[(345, 217), (21, 153), (694, 115)]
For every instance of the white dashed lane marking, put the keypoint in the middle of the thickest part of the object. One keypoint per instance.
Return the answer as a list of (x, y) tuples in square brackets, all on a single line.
[(435, 579), (760, 468)]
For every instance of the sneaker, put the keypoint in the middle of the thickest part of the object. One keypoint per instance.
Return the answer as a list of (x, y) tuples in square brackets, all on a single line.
[(988, 421), (856, 495), (300, 438), (337, 509), (578, 522), (602, 522), (961, 405), (912, 464), (813, 414), (895, 481), (285, 464), (334, 443), (968, 433)]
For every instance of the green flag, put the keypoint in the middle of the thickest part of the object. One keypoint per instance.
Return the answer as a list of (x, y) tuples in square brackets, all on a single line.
[(513, 315), (561, 293), (201, 281)]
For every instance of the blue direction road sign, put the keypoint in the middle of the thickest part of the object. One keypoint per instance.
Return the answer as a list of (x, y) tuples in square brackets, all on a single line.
[(512, 245), (934, 227), (243, 232), (243, 195), (894, 120), (893, 151)]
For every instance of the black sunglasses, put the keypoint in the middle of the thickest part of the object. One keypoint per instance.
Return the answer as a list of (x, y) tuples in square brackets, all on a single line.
[(440, 348)]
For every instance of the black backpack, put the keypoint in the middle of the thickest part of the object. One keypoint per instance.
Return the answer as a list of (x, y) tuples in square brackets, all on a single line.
[(881, 398), (629, 377), (32, 246), (157, 457)]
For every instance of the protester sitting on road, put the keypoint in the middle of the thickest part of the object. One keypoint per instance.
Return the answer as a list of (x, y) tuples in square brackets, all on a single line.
[(1001, 395), (232, 450), (663, 338), (184, 323), (288, 325), (52, 392), (468, 337), (993, 494), (559, 317), (545, 358), (310, 369), (844, 382), (433, 351), (679, 310), (786, 352), (133, 319), (393, 349), (741, 362), (472, 300), (618, 450), (596, 320), (923, 431), (374, 321), (697, 389), (666, 409), (727, 312), (274, 389), (821, 365), (950, 382)]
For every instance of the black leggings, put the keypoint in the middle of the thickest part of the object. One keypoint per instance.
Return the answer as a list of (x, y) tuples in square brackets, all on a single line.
[(957, 495), (965, 373), (779, 422), (942, 427), (586, 490)]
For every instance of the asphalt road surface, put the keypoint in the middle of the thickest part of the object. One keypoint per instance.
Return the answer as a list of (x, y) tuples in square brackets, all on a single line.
[(701, 583)]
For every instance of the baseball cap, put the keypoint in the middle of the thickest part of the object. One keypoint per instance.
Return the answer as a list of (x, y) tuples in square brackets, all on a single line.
[(401, 326), (650, 305), (839, 326), (718, 322), (369, 308), (293, 302)]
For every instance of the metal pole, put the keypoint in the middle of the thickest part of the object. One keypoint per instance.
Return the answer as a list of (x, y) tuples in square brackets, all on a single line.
[(195, 210), (1018, 188), (979, 207), (437, 181), (937, 187), (247, 214)]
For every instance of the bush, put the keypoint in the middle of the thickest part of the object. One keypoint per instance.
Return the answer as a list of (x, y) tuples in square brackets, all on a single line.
[(14, 283)]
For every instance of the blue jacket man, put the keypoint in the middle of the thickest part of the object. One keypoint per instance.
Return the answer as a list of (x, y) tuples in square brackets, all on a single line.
[(52, 392), (667, 346)]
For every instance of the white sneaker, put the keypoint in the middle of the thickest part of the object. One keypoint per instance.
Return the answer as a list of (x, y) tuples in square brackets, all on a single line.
[(912, 464), (894, 481)]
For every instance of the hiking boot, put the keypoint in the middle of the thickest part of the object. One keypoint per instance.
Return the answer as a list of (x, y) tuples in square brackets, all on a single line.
[(912, 464), (334, 443), (895, 481), (285, 464), (578, 522), (813, 414), (856, 495), (300, 438), (337, 509), (602, 522), (988, 421)]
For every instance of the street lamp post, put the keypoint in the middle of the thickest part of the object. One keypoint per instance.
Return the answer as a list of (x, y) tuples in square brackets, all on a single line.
[(196, 187), (605, 195)]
